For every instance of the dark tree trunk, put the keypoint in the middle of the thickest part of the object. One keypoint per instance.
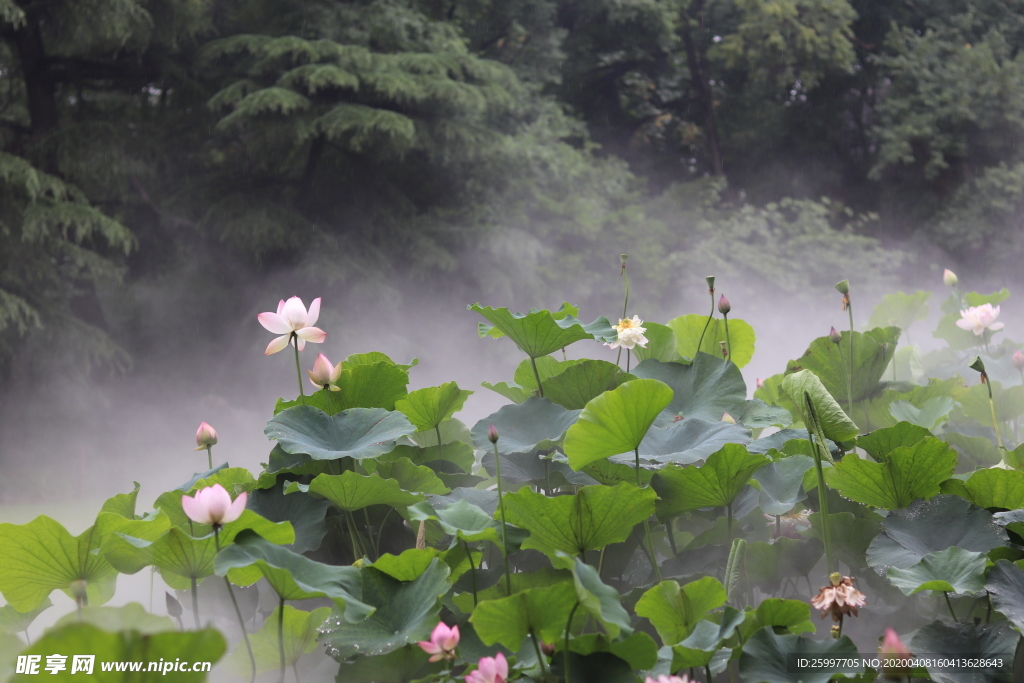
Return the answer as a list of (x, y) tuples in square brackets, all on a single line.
[(39, 84), (700, 77)]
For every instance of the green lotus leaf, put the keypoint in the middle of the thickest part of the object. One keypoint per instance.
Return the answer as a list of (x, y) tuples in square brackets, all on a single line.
[(306, 514), (707, 638), (929, 415), (593, 518), (770, 391), (985, 641), (512, 392), (780, 483), (132, 616), (851, 535), (597, 599), (405, 612), (580, 383), (715, 484), (540, 333), (639, 650), (547, 367), (293, 576), (409, 663), (953, 570), (757, 414), (537, 423), (1005, 585), (899, 309), (910, 472), (706, 389), (13, 621), (676, 610), (872, 352), (427, 408), (874, 413), (540, 578), (768, 563), (611, 473), (206, 645), (413, 478), (300, 632), (766, 658), (409, 565), (374, 357), (1009, 402), (123, 504), (928, 526), (377, 384), (463, 520), (42, 556), (688, 441), (357, 433), (776, 613), (661, 344), (996, 488), (458, 453), (835, 424), (688, 329), (616, 421), (350, 491), (879, 443), (533, 468)]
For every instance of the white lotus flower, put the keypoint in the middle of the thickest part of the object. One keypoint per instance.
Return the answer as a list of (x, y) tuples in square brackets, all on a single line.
[(212, 505), (630, 333), (294, 323), (977, 319)]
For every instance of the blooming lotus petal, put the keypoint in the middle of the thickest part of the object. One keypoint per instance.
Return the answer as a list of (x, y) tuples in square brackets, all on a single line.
[(236, 509), (451, 641), (280, 306), (278, 344), (217, 501), (995, 327), (295, 313), (311, 334), (301, 344), (501, 666), (429, 647), (195, 510), (273, 322), (313, 313)]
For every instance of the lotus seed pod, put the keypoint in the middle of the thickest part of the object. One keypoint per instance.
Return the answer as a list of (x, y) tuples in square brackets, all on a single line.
[(843, 287)]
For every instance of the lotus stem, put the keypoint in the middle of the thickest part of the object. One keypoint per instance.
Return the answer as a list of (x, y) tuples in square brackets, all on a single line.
[(501, 506), (238, 612), (728, 342), (280, 634), (707, 672), (209, 457), (817, 445), (625, 305), (992, 409), (298, 372), (628, 352), (195, 603), (472, 569), (728, 521), (849, 395), (440, 446), (647, 526), (565, 654), (670, 532), (536, 375), (540, 655), (711, 315), (950, 606)]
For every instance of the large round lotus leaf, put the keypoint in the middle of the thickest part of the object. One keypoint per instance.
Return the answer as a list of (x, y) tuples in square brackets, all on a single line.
[(539, 333), (531, 468), (715, 484), (508, 621), (953, 570), (676, 610), (689, 328), (534, 423), (927, 526), (357, 433), (707, 388), (661, 344), (986, 641), (766, 658), (580, 383), (781, 483), (881, 442), (900, 309), (427, 408), (306, 514), (1005, 584), (616, 421), (872, 351), (688, 441)]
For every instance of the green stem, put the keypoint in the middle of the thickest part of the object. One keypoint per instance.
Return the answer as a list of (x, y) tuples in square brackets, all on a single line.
[(670, 532), (565, 653), (778, 526), (950, 605), (992, 408), (728, 342), (712, 315), (380, 532), (536, 375), (298, 372), (238, 612), (707, 672), (647, 527), (817, 444), (849, 396), (540, 656), (357, 552), (501, 506), (627, 362), (600, 562), (440, 446), (295, 670), (728, 521), (195, 603), (209, 457), (472, 569), (366, 518), (280, 635)]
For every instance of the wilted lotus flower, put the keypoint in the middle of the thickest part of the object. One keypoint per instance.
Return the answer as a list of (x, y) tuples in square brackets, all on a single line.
[(892, 648), (213, 505), (630, 333), (323, 374), (839, 598), (949, 278), (977, 319), (668, 679), (490, 670), (294, 323), (1018, 360), (206, 436), (442, 643)]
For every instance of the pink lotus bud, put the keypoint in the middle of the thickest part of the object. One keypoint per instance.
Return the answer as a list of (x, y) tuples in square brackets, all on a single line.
[(894, 651), (949, 278), (206, 436), (835, 335), (442, 643), (547, 648), (492, 434), (759, 382), (1018, 360), (212, 505), (728, 418), (323, 373), (490, 670), (668, 679), (724, 306)]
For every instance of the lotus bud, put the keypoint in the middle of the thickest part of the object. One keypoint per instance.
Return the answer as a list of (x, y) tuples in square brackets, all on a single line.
[(547, 648), (835, 335), (895, 652), (206, 436), (710, 279), (79, 591), (492, 434), (724, 306), (323, 374), (843, 287), (1018, 360), (759, 382), (949, 278), (173, 606), (728, 418)]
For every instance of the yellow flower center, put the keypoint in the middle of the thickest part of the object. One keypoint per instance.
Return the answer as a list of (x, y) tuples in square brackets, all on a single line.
[(625, 324)]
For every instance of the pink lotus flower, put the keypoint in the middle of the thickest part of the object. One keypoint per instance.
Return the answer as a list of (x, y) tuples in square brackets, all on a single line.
[(1018, 360), (206, 436), (894, 651), (294, 323), (213, 505), (668, 679), (323, 374), (490, 670), (442, 643), (977, 319)]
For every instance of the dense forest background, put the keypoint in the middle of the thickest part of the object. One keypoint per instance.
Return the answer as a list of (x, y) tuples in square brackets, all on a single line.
[(159, 153)]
